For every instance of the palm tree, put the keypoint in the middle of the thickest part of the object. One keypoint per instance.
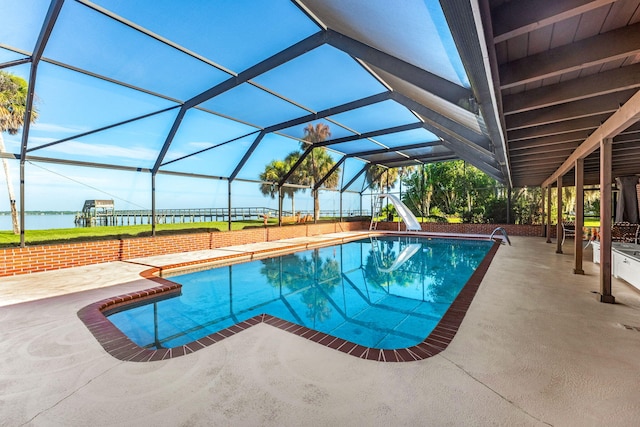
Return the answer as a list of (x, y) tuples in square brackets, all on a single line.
[(13, 104), (380, 177), (312, 169), (317, 164), (421, 188), (404, 172), (274, 172)]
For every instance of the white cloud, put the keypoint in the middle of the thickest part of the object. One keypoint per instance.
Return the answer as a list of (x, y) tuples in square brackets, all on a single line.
[(199, 145), (102, 150), (55, 128)]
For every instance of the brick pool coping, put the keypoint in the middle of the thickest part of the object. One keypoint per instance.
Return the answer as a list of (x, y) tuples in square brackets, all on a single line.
[(118, 345)]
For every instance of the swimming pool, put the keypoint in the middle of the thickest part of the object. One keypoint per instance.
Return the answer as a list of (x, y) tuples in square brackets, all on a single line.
[(385, 293)]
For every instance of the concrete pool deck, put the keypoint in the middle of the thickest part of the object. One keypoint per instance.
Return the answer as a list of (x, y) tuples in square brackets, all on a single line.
[(535, 348)]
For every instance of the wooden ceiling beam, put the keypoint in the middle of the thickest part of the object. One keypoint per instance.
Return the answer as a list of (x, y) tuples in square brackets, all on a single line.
[(562, 138), (569, 111), (626, 145), (606, 47), (615, 80), (524, 172), (627, 115), (569, 146), (627, 159), (565, 150), (555, 142), (585, 123), (630, 161), (512, 19), (616, 172), (548, 166), (533, 177), (535, 160)]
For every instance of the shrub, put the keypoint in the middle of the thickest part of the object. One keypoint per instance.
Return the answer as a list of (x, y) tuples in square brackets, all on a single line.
[(476, 216)]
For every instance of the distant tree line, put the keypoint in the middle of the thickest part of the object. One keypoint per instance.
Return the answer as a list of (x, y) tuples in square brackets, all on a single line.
[(455, 188), (438, 191)]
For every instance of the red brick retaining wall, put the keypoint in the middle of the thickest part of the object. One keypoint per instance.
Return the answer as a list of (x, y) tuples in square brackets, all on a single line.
[(434, 227), (33, 259)]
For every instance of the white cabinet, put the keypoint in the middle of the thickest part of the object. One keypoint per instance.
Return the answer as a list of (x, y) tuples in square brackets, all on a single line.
[(627, 266), (625, 261), (596, 251)]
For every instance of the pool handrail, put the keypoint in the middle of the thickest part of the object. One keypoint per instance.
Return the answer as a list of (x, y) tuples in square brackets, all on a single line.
[(504, 233)]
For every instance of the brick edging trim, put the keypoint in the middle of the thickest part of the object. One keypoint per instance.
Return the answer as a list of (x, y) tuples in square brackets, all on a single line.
[(118, 345)]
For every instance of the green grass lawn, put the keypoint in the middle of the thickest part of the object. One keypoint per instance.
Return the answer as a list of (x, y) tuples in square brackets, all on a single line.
[(77, 234), (65, 235)]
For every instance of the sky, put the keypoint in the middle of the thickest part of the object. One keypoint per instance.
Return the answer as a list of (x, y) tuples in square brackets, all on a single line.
[(217, 40)]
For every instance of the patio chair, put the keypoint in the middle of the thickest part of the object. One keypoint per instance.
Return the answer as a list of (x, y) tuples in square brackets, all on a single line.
[(625, 232), (568, 230)]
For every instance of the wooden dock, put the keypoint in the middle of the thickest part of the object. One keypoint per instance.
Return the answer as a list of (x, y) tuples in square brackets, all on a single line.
[(170, 216), (102, 213)]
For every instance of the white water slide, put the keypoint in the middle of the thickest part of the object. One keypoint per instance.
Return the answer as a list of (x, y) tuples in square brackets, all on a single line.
[(407, 216)]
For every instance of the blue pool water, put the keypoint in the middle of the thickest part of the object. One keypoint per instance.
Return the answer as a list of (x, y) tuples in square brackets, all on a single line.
[(384, 293)]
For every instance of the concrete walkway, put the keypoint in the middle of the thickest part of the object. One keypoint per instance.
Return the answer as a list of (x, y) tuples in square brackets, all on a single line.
[(536, 348)]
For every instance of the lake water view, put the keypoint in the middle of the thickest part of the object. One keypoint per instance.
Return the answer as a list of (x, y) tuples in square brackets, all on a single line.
[(40, 221), (49, 221)]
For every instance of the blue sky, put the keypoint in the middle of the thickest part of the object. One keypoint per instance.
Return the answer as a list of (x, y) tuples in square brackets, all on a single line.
[(218, 39)]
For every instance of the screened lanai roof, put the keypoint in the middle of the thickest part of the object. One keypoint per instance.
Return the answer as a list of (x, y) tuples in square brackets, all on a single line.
[(221, 88)]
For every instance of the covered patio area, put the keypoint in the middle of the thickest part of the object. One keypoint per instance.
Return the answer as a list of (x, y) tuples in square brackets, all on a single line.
[(535, 348)]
